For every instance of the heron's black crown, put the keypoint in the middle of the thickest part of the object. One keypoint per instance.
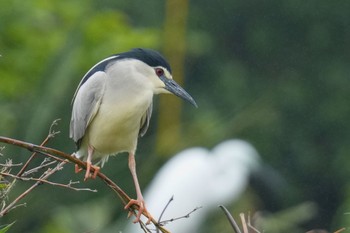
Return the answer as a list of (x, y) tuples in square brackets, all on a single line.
[(148, 56)]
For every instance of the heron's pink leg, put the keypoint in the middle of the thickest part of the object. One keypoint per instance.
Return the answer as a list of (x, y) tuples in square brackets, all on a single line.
[(89, 165), (139, 201)]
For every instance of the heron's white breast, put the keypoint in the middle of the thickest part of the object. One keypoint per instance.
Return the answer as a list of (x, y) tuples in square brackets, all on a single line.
[(116, 125)]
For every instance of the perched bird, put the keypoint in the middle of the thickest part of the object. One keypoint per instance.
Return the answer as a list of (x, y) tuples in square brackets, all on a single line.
[(198, 177), (112, 107)]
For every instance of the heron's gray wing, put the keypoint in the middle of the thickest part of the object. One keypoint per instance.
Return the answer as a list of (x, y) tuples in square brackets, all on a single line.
[(101, 66), (86, 103), (145, 120)]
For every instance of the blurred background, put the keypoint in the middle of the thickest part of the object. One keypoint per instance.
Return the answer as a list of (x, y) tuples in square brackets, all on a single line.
[(272, 73)]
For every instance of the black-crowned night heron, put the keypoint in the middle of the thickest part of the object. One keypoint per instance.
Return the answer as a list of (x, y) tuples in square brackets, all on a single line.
[(112, 107)]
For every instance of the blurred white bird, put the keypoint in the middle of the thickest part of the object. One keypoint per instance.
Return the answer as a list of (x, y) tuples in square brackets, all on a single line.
[(198, 177)]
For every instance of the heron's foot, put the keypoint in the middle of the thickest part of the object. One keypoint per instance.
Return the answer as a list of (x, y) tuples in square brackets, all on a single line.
[(88, 169), (141, 209), (77, 169)]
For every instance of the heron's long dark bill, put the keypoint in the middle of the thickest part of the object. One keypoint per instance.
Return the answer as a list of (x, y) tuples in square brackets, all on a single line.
[(177, 90)]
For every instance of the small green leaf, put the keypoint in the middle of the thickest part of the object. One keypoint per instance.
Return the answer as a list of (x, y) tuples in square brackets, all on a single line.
[(5, 228), (3, 186)]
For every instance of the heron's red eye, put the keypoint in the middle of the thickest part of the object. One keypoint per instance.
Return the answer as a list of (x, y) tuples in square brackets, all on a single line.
[(159, 72)]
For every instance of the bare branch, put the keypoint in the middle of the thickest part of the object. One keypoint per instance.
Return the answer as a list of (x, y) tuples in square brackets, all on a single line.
[(5, 191), (161, 214), (69, 185), (166, 206), (12, 205), (340, 230), (251, 226), (231, 219), (50, 135), (144, 228), (1, 149), (244, 223), (68, 158), (46, 175), (19, 205), (185, 216), (10, 164), (43, 165), (52, 132)]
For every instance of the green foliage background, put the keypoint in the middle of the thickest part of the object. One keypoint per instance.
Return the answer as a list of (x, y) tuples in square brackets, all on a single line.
[(275, 73)]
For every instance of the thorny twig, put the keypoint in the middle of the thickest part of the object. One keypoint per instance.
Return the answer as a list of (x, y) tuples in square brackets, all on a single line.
[(63, 158), (162, 223), (6, 186), (166, 206), (181, 217), (69, 185), (163, 211), (1, 149), (46, 175), (52, 134), (10, 165), (6, 172), (46, 163)]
